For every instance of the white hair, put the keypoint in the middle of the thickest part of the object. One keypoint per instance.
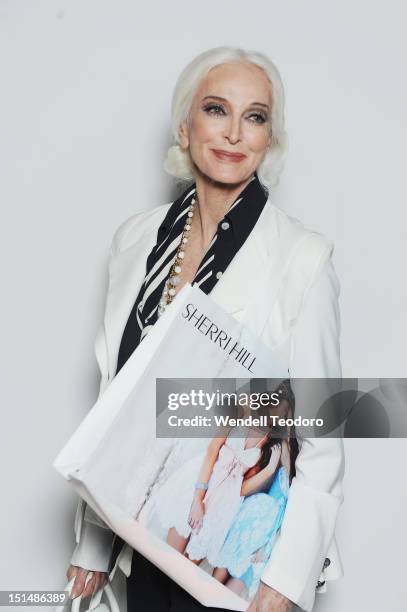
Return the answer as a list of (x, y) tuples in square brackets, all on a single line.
[(178, 162)]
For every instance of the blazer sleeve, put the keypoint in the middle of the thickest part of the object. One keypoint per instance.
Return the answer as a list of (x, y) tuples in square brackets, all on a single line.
[(94, 539), (316, 491)]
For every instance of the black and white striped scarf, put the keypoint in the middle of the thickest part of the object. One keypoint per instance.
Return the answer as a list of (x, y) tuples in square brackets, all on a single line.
[(232, 232)]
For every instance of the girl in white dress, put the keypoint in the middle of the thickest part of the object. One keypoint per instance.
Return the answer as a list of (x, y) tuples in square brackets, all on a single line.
[(198, 517)]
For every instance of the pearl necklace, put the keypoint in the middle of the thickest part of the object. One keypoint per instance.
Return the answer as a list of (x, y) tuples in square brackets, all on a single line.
[(174, 278)]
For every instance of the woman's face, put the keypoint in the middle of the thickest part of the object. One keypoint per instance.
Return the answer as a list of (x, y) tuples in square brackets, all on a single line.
[(228, 129)]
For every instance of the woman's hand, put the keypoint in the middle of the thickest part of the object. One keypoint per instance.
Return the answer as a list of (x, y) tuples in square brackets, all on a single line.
[(269, 600), (97, 581), (196, 514)]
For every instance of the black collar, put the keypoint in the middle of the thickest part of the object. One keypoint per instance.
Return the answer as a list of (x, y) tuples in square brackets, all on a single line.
[(246, 209), (242, 214)]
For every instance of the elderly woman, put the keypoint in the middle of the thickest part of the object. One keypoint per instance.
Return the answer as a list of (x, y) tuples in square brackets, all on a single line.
[(225, 235)]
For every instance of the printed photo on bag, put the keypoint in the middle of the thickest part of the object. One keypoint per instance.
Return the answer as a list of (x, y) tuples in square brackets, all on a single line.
[(222, 506)]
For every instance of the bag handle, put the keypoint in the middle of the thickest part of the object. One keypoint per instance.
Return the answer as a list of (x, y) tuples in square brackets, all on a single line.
[(95, 599)]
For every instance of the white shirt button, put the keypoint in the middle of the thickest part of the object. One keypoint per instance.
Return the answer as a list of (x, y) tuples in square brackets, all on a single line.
[(225, 225), (218, 275)]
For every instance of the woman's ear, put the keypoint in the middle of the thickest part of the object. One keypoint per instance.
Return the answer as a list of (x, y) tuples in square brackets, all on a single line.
[(183, 135)]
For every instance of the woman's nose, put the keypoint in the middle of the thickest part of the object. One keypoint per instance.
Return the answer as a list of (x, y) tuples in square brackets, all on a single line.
[(233, 130)]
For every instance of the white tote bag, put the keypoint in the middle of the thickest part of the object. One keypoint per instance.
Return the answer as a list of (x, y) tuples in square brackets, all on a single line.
[(116, 462)]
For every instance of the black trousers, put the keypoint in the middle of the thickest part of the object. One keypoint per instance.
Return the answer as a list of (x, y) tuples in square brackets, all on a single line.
[(150, 590)]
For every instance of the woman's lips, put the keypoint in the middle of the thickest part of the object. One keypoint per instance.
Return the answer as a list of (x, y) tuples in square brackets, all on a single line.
[(226, 156)]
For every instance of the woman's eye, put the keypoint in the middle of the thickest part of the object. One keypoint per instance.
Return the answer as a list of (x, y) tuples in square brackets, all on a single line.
[(214, 109), (257, 118), (217, 109)]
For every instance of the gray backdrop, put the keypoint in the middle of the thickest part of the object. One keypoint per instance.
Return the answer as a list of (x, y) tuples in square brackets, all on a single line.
[(84, 107)]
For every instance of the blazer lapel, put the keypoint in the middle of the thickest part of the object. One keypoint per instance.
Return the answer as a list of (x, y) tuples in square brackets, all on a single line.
[(248, 269), (126, 274)]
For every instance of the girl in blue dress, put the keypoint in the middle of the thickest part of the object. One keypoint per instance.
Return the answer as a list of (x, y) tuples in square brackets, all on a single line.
[(249, 542)]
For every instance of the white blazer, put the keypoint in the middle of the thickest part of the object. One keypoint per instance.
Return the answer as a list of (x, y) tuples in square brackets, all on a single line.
[(283, 285)]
